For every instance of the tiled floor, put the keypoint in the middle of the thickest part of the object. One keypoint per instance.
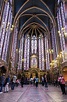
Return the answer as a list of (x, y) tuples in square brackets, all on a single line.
[(32, 94)]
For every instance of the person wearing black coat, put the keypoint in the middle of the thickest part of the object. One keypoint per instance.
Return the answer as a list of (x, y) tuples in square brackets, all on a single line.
[(22, 81), (45, 81), (0, 84)]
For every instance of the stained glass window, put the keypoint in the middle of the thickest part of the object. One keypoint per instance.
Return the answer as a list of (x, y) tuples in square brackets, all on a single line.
[(21, 53), (3, 25), (47, 54), (5, 30), (41, 53), (34, 51), (13, 54), (26, 53)]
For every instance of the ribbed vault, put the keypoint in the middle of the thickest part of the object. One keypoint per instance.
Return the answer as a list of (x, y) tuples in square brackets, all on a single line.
[(31, 12)]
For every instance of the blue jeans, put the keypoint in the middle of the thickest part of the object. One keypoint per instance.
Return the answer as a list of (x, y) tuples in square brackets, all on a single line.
[(46, 84)]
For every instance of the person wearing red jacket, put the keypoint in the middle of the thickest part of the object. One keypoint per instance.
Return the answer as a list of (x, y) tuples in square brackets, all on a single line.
[(61, 81)]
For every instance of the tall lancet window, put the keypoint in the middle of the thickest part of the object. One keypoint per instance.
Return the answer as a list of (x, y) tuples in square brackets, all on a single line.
[(33, 52), (7, 35), (4, 25), (5, 29), (26, 52), (41, 53), (13, 54), (21, 53), (47, 54), (33, 44)]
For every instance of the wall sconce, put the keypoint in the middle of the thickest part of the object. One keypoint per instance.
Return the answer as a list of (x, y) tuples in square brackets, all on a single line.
[(12, 26), (50, 51), (23, 59), (65, 35), (63, 28), (11, 29)]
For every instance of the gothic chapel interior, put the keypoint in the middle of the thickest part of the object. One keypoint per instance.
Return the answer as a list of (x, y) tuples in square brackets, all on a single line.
[(33, 37)]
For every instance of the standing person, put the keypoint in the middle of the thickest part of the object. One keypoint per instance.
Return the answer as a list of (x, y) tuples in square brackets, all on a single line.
[(31, 80), (36, 81), (14, 79), (0, 84), (12, 84), (22, 81), (61, 81), (2, 80), (45, 81), (42, 81), (6, 84)]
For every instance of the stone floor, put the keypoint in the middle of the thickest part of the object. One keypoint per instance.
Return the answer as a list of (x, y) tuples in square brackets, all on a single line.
[(30, 93)]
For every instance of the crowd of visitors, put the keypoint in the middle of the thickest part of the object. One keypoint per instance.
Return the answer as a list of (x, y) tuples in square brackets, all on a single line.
[(9, 83)]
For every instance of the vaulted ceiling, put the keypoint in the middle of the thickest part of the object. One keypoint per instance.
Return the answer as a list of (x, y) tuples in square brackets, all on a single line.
[(36, 15)]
